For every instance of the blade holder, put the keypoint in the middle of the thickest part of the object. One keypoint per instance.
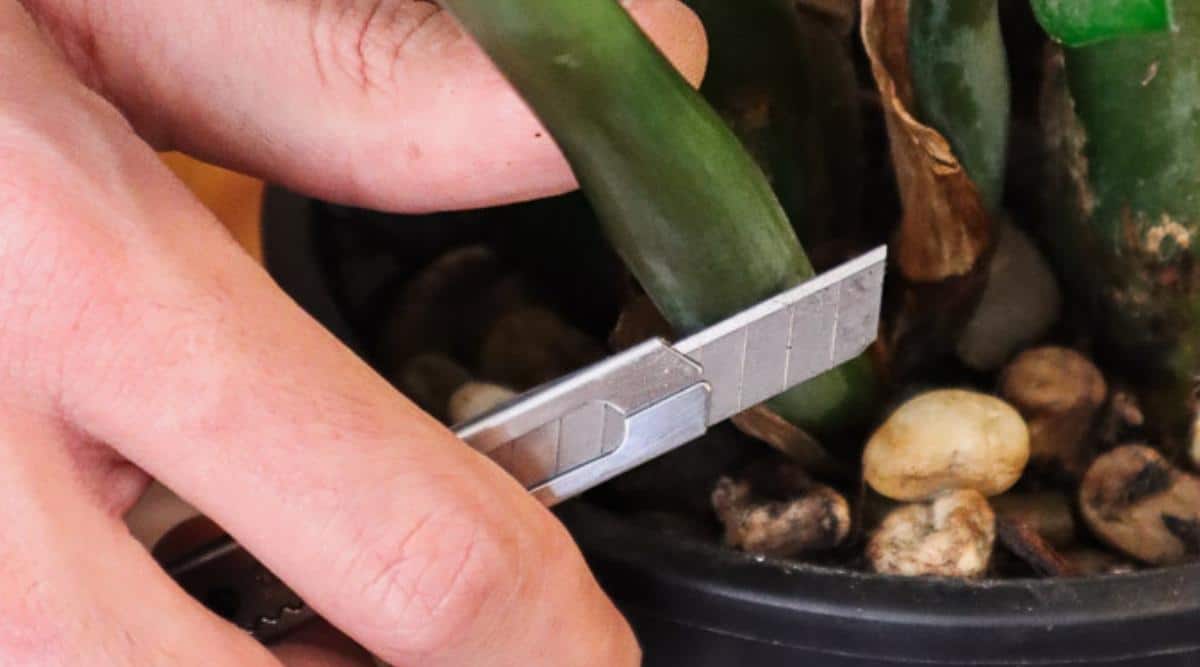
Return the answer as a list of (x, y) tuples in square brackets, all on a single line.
[(638, 403), (568, 436)]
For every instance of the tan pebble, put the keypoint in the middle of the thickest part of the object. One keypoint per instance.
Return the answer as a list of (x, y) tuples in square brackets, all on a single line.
[(809, 517), (475, 398), (951, 536), (1059, 393), (1136, 501), (946, 440)]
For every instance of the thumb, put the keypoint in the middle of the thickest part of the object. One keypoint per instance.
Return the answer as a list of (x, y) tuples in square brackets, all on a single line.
[(379, 103)]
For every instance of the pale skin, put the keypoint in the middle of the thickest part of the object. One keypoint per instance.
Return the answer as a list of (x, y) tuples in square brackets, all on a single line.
[(137, 340)]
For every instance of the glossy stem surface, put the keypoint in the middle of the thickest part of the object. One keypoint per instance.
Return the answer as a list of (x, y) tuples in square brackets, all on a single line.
[(680, 199), (1123, 119), (1082, 22), (961, 84)]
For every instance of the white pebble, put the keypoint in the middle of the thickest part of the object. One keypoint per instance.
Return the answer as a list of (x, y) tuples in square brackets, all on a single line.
[(1020, 303), (949, 537), (475, 398), (945, 440)]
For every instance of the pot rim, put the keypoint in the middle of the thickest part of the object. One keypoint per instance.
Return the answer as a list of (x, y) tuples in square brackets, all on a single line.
[(780, 582), (668, 580)]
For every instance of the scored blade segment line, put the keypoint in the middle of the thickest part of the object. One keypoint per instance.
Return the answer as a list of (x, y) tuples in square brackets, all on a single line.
[(723, 364), (581, 437), (837, 314), (558, 438), (503, 454), (558, 449), (764, 372), (812, 332), (531, 458), (791, 335), (742, 368)]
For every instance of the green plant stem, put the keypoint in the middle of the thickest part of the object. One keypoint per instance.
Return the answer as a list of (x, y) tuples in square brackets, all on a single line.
[(1083, 22), (1124, 123), (960, 82), (680, 199)]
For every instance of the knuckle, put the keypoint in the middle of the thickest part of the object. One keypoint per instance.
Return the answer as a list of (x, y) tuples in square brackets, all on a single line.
[(459, 575), (49, 163), (85, 293), (49, 258), (360, 40), (439, 581)]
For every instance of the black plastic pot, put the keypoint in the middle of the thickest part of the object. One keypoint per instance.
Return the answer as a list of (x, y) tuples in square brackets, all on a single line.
[(694, 603)]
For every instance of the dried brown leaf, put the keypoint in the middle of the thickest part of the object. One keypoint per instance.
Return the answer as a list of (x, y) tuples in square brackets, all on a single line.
[(1024, 542), (945, 228), (762, 423)]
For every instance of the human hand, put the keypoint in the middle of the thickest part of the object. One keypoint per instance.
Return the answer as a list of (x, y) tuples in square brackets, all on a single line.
[(137, 340)]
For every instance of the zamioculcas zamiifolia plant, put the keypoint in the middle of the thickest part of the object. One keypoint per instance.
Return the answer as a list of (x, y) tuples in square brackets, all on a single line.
[(679, 197)]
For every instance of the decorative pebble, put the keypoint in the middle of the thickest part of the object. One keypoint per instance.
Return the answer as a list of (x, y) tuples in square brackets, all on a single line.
[(475, 398), (785, 515), (944, 440), (1136, 501), (1059, 392), (1021, 302), (950, 536)]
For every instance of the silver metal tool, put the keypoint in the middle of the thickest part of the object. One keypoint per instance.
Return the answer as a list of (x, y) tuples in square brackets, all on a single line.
[(577, 432), (566, 437)]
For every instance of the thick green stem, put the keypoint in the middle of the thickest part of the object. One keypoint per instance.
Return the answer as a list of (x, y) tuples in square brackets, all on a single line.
[(1124, 123), (1082, 22), (960, 83), (680, 199)]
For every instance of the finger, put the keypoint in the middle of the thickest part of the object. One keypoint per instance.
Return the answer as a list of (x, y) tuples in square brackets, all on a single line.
[(76, 588), (162, 337), (382, 103), (385, 523)]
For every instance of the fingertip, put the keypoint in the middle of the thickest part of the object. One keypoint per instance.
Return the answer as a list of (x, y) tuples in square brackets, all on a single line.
[(393, 109)]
